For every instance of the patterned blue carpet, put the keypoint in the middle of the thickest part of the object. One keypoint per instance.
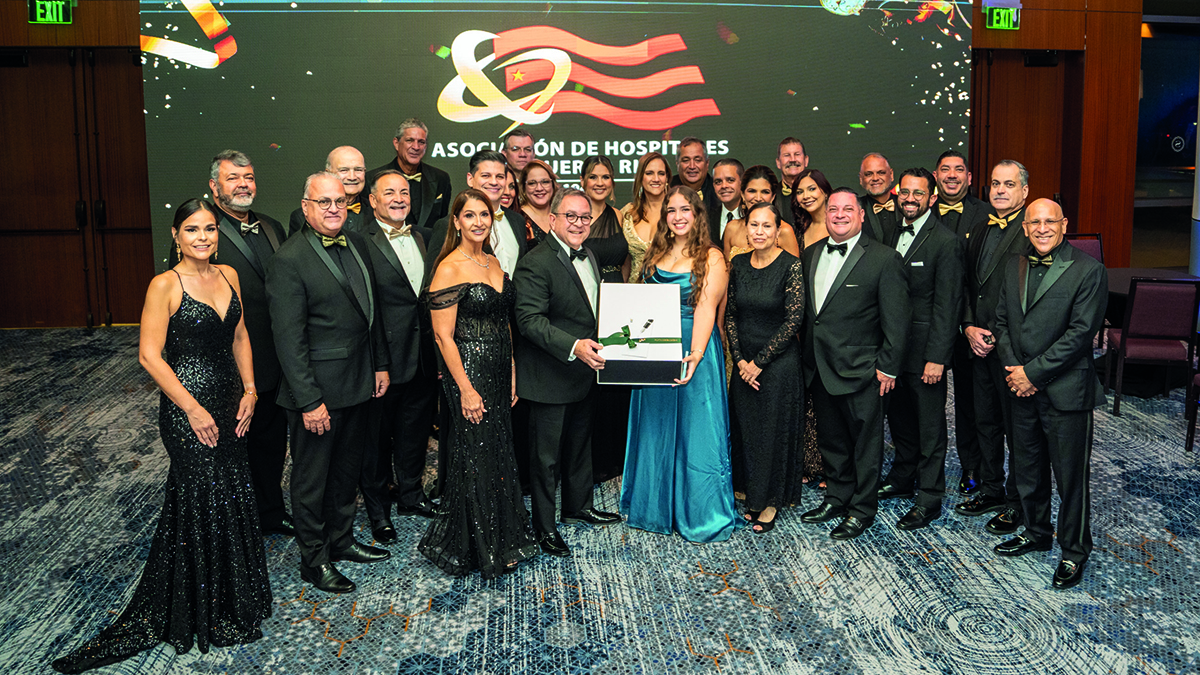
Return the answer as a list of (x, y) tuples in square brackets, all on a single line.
[(81, 476)]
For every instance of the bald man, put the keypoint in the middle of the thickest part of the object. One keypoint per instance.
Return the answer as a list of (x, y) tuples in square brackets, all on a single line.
[(879, 207), (347, 162), (1051, 306)]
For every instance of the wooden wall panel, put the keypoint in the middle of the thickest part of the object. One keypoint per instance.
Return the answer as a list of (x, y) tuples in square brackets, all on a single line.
[(46, 284), (96, 23)]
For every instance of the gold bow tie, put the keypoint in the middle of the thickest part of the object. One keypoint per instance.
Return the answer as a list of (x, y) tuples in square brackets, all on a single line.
[(997, 220), (339, 240), (889, 205), (248, 227), (943, 209), (355, 207), (392, 232), (787, 190), (416, 176), (1046, 260)]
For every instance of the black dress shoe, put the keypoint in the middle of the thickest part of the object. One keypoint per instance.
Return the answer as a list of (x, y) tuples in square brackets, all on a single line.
[(361, 553), (384, 532), (592, 516), (327, 578), (1007, 521), (1068, 573), (423, 507), (553, 544), (284, 527), (889, 491), (919, 517), (968, 484), (850, 528), (823, 513), (1020, 545), (980, 505)]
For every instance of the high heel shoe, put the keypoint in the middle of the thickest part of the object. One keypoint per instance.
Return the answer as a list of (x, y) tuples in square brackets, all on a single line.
[(766, 526), (752, 516)]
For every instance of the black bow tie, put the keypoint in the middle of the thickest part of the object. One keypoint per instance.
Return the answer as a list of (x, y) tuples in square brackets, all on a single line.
[(840, 248), (907, 228), (580, 254)]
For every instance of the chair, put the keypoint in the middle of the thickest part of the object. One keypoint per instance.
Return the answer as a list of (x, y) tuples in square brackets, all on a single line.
[(1193, 393), (1090, 243), (1159, 329)]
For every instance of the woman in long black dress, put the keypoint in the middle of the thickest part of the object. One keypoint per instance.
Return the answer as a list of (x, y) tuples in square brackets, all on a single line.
[(205, 579), (607, 242), (482, 523), (766, 396)]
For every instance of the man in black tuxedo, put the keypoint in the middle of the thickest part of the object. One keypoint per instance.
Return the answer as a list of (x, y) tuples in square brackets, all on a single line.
[(857, 324), (691, 165), (253, 239), (875, 175), (486, 173), (400, 420), (989, 248), (329, 337), (1051, 306), (727, 184), (791, 160), (430, 186), (916, 411), (347, 162), (518, 149), (961, 212), (558, 288)]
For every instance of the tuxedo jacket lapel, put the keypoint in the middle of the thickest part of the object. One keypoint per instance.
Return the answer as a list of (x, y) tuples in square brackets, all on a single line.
[(1012, 231), (234, 236), (852, 257), (920, 239), (1060, 265), (315, 242), (565, 259), (428, 185), (384, 245)]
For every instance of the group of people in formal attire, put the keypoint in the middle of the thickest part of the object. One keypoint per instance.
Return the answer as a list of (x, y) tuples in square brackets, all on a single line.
[(393, 308)]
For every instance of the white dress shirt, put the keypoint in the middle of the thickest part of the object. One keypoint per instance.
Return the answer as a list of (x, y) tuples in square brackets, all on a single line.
[(907, 239), (591, 285), (410, 256), (726, 216), (504, 243), (828, 267)]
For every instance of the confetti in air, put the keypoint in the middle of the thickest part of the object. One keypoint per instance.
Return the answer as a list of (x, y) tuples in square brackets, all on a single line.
[(791, 92), (858, 126), (440, 52), (274, 146), (579, 88), (727, 36), (666, 135)]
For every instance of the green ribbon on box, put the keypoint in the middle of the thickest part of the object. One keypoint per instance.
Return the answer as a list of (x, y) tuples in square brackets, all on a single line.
[(622, 337)]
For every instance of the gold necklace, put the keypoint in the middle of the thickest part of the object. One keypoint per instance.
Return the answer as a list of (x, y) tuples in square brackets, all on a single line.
[(486, 266)]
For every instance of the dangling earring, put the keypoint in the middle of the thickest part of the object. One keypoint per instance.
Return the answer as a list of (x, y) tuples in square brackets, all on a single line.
[(178, 251)]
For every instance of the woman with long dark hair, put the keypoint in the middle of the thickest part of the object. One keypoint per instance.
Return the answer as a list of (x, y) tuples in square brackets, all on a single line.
[(536, 189), (810, 194), (759, 185), (640, 217)]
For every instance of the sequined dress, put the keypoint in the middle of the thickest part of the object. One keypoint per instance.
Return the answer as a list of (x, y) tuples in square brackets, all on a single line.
[(483, 523), (205, 580)]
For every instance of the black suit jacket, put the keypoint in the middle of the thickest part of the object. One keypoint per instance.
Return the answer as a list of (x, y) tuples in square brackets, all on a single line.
[(355, 222), (552, 312), (983, 281), (934, 264), (1051, 332), (879, 226), (329, 346), (436, 194), (514, 219), (406, 325), (784, 204), (863, 325)]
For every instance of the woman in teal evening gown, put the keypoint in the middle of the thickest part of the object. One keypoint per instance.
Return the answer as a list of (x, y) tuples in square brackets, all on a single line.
[(677, 464)]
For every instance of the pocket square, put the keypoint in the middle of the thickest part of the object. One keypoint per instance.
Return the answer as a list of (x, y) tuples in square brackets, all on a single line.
[(851, 285), (437, 197), (919, 263)]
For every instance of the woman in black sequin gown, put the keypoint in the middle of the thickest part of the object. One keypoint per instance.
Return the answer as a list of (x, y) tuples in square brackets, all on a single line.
[(766, 395), (205, 580), (482, 523), (607, 242)]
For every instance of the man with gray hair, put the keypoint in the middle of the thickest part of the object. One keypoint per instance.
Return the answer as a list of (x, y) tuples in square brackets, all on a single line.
[(558, 291), (691, 163), (251, 240), (429, 185), (347, 162)]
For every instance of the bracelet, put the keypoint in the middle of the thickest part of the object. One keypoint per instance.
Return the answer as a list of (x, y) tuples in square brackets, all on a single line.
[(249, 393)]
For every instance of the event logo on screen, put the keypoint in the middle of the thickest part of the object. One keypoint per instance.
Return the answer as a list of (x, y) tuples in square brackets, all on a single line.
[(542, 54)]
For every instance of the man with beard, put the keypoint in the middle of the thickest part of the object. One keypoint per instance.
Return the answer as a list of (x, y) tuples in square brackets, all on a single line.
[(350, 167), (791, 161), (429, 185), (692, 165), (916, 412), (518, 149), (875, 176), (727, 183), (961, 211)]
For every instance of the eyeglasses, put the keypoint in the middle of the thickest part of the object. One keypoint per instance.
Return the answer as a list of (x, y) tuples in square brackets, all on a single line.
[(1039, 223), (914, 193), (324, 204), (573, 218), (539, 183)]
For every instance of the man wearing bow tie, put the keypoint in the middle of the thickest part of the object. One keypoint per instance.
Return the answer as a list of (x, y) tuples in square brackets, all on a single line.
[(857, 320), (1050, 308), (916, 413), (791, 160), (402, 417), (329, 335), (961, 212), (347, 162), (429, 186), (251, 240), (486, 172), (558, 288), (992, 243), (879, 207)]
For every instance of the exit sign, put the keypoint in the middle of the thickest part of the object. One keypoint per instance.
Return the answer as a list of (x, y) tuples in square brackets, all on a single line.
[(1002, 18), (50, 11)]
